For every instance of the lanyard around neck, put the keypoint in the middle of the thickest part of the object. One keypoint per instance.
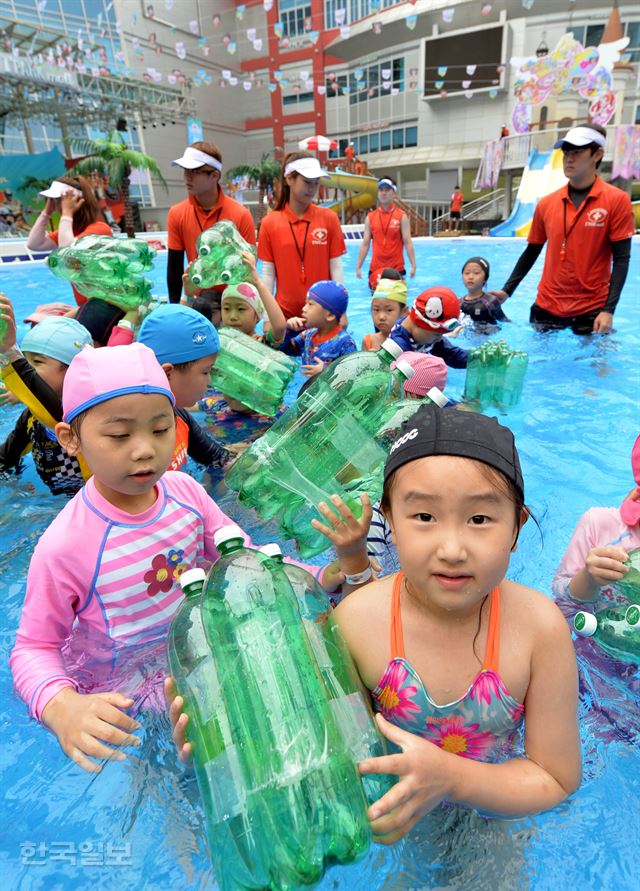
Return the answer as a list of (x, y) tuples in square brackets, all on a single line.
[(301, 252), (567, 232), (218, 212)]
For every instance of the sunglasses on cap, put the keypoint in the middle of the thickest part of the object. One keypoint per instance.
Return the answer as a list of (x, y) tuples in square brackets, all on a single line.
[(447, 325)]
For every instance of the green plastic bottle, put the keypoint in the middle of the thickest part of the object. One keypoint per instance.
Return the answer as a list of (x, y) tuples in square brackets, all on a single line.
[(325, 443), (107, 268), (350, 700), (495, 374), (219, 260), (612, 630), (302, 805), (251, 372), (629, 586)]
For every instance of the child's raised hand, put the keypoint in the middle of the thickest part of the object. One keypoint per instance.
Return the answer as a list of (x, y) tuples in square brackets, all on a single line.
[(296, 323), (250, 260), (189, 289), (423, 772), (606, 565), (178, 719), (312, 370), (346, 533), (8, 340), (85, 722)]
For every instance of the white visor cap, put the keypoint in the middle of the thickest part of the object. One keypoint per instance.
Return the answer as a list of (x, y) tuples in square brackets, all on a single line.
[(58, 189), (581, 136), (194, 158), (308, 167)]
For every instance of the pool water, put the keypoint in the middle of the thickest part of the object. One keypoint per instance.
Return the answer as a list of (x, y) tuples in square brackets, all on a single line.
[(138, 824)]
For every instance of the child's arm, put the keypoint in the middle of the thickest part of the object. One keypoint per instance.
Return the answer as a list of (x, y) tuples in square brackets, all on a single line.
[(274, 313), (16, 444), (546, 776), (589, 564), (202, 447)]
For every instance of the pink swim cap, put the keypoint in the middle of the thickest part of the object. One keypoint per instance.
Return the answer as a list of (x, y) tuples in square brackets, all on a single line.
[(630, 509), (96, 375), (428, 371)]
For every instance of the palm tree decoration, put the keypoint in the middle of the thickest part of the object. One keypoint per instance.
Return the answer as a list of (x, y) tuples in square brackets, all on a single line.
[(113, 157), (265, 172)]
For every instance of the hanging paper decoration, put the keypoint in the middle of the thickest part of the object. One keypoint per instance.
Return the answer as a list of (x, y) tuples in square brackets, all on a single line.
[(216, 20), (278, 29), (284, 82), (233, 81), (569, 68), (486, 8), (493, 94), (251, 34), (500, 69), (181, 52), (168, 5), (321, 89), (308, 24), (386, 84), (466, 84), (443, 94), (442, 70), (206, 50), (468, 94), (527, 4), (257, 44), (413, 72), (267, 5), (374, 5), (193, 26), (345, 31), (395, 91), (386, 73), (226, 73), (240, 12), (358, 73), (314, 36), (376, 27), (232, 47), (439, 84), (246, 85), (331, 75), (413, 84), (626, 152), (447, 15), (272, 87), (226, 39), (340, 15), (278, 75), (172, 79), (471, 69), (411, 21), (346, 90)]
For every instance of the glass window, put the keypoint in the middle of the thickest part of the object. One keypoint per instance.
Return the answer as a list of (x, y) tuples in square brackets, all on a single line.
[(373, 142), (292, 16), (364, 145), (593, 34), (398, 138), (385, 140), (411, 137)]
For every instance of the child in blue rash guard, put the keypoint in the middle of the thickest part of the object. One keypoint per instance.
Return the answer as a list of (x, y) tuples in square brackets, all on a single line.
[(435, 312), (482, 308), (324, 340)]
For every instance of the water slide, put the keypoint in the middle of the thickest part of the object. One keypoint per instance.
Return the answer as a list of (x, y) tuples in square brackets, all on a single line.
[(363, 191), (542, 175)]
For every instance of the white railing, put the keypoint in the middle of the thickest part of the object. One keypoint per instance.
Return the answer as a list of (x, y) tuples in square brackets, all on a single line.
[(517, 148)]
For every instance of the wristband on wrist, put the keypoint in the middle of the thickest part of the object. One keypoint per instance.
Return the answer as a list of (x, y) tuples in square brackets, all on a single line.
[(65, 216), (44, 214), (359, 578), (125, 323)]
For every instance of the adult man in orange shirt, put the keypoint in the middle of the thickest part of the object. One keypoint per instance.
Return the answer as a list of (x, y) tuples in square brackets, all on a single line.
[(389, 228), (585, 224), (205, 205)]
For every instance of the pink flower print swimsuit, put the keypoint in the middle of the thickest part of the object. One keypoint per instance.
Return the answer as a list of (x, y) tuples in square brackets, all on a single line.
[(483, 724)]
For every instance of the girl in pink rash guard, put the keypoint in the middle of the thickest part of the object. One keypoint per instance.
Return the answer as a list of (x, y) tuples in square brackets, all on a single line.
[(597, 553), (111, 560)]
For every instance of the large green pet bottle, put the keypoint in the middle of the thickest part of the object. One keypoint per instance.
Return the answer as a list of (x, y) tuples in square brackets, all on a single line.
[(615, 629)]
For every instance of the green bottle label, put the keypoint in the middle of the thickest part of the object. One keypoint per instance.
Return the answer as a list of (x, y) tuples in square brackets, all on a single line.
[(632, 615), (579, 621)]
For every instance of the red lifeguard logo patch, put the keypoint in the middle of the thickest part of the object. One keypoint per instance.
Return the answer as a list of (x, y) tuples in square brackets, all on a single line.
[(597, 217), (319, 236)]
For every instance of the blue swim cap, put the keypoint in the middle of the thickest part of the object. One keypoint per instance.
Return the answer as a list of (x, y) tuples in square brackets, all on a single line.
[(178, 334), (332, 295)]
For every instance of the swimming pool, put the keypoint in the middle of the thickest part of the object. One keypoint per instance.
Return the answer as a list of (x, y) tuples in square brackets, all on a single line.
[(138, 824)]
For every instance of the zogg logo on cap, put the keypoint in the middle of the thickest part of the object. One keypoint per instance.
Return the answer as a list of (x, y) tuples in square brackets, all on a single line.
[(407, 436)]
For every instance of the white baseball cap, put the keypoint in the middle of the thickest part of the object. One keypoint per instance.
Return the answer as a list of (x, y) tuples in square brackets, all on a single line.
[(194, 158), (581, 136), (308, 167), (58, 189)]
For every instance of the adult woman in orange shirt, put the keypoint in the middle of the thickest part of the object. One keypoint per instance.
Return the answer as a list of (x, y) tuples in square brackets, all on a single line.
[(80, 212), (299, 243)]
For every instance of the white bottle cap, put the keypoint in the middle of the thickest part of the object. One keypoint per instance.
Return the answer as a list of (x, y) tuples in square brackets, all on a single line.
[(392, 347), (585, 624), (271, 550), (437, 397), (404, 368), (190, 576), (227, 533)]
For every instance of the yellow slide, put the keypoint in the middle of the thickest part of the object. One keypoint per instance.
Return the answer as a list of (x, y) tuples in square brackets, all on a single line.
[(363, 191), (552, 178)]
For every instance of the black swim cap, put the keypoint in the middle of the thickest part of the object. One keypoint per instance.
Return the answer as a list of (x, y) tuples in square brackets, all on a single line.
[(482, 263), (445, 431)]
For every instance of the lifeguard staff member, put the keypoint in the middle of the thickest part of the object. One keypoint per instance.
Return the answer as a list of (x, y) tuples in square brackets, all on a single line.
[(585, 224), (204, 205), (389, 228)]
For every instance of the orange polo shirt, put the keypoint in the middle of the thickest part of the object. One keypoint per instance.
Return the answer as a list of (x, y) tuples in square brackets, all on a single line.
[(188, 219), (457, 200), (576, 279), (300, 248), (97, 228), (387, 251)]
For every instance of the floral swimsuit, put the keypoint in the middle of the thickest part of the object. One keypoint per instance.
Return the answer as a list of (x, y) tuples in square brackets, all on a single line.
[(483, 724)]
